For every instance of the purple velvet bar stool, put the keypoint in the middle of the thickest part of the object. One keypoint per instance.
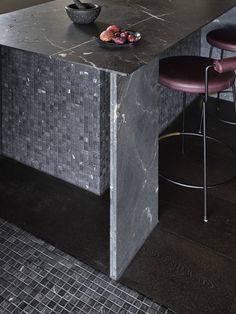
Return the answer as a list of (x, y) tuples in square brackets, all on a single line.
[(198, 75), (225, 40)]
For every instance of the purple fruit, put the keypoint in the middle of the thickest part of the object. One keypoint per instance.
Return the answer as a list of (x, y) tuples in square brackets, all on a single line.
[(118, 40), (113, 28), (131, 38), (123, 35)]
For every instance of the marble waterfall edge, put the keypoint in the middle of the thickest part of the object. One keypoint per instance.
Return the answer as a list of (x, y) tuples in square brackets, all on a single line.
[(134, 163), (139, 110)]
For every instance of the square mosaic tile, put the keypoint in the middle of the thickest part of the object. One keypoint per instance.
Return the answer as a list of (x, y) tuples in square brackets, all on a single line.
[(37, 278), (55, 117)]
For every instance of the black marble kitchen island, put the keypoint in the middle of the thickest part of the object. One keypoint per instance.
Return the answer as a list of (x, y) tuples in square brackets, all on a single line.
[(92, 116)]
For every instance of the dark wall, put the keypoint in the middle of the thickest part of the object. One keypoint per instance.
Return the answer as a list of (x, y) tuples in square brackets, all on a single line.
[(12, 5)]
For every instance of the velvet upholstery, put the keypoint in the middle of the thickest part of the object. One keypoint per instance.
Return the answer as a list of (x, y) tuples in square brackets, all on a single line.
[(223, 38), (225, 65), (187, 74)]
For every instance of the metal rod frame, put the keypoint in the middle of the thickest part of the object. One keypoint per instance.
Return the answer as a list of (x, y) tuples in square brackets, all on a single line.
[(204, 136), (218, 94), (183, 123), (195, 186)]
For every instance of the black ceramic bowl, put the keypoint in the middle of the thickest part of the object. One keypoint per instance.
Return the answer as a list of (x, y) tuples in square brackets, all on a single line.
[(83, 16)]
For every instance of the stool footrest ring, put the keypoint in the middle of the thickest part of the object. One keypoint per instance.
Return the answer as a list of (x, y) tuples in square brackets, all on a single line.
[(193, 186)]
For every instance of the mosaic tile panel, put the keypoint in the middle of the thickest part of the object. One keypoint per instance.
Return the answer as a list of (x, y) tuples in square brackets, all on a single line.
[(55, 118), (37, 278)]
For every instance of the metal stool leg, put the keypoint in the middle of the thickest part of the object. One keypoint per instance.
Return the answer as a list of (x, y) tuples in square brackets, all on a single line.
[(204, 161), (210, 53), (222, 54), (234, 96), (234, 103), (221, 57), (183, 123), (205, 144), (200, 126)]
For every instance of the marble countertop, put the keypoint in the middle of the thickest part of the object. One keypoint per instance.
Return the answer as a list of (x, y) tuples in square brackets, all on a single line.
[(46, 29)]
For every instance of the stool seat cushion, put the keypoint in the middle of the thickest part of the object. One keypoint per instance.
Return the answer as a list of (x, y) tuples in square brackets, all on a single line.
[(187, 74), (223, 38)]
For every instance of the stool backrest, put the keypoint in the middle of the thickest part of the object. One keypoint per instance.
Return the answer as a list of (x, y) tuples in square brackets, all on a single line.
[(225, 65)]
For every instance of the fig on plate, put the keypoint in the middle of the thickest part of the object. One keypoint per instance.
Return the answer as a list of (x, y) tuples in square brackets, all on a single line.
[(113, 29), (124, 35), (131, 38), (106, 35), (117, 34), (118, 40)]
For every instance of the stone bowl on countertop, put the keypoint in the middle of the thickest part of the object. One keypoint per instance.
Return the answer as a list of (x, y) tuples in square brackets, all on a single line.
[(83, 15)]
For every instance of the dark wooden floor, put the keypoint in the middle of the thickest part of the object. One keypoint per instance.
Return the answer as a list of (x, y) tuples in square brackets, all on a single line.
[(186, 264)]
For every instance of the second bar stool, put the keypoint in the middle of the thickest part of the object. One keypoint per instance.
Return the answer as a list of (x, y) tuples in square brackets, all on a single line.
[(193, 74), (225, 40)]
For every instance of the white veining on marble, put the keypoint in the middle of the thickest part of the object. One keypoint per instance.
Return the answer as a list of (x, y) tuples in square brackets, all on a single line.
[(71, 48), (87, 61), (52, 43), (159, 17), (155, 16), (140, 22), (142, 7), (142, 109), (116, 114), (63, 55), (123, 118), (113, 176), (141, 61), (148, 213)]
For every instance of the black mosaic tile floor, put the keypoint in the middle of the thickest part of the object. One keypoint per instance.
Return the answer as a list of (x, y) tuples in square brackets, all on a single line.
[(37, 278)]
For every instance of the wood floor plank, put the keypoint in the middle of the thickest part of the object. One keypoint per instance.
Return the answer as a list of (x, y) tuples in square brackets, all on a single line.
[(186, 264), (185, 276)]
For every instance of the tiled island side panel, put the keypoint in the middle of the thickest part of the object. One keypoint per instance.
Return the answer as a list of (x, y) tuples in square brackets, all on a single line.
[(55, 117)]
